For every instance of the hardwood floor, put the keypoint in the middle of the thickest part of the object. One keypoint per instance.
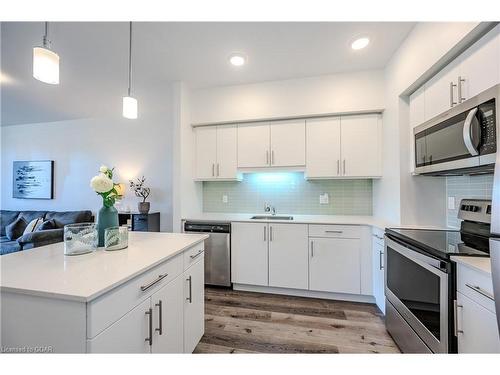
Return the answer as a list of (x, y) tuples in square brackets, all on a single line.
[(245, 322)]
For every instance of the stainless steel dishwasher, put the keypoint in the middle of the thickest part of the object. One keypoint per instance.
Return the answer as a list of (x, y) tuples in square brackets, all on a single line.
[(217, 250)]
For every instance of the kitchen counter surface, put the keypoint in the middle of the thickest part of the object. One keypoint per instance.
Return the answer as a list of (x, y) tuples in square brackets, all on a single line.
[(482, 264), (46, 271)]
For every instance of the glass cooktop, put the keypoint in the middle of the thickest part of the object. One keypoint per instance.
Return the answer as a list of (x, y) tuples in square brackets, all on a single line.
[(443, 243)]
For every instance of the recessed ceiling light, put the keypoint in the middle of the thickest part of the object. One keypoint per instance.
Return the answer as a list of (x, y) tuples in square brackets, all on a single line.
[(237, 59), (360, 43)]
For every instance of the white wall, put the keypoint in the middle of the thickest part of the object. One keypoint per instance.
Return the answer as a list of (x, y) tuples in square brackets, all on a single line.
[(400, 197), (78, 147), (348, 92)]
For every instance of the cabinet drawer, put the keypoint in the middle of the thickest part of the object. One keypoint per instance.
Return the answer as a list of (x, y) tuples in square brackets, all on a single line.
[(192, 255), (108, 308), (335, 231), (475, 285)]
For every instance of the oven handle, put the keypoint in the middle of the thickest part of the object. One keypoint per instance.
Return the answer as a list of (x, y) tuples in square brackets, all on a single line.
[(471, 140)]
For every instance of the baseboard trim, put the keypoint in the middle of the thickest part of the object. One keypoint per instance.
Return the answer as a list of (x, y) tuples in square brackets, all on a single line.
[(305, 293)]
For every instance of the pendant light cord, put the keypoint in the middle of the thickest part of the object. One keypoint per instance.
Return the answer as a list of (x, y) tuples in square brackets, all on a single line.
[(130, 57), (46, 41)]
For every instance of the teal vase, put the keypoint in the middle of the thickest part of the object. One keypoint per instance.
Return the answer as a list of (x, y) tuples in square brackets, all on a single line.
[(107, 217)]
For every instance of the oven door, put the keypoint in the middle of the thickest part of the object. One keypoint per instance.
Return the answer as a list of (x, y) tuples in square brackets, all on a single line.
[(417, 287)]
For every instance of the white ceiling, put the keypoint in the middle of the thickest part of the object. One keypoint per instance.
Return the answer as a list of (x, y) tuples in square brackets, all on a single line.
[(94, 60)]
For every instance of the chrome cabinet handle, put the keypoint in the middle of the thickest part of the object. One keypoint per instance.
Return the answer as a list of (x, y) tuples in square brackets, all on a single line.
[(272, 157), (377, 236), (380, 256), (338, 167), (452, 102), (218, 170), (196, 255), (267, 157), (265, 237), (147, 286), (213, 170), (334, 231), (190, 298), (455, 313), (344, 166), (481, 291), (271, 237), (459, 87), (150, 338), (160, 318), (312, 249)]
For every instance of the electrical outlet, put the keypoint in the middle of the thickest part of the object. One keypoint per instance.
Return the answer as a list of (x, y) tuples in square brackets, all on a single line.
[(224, 198), (451, 203), (324, 198)]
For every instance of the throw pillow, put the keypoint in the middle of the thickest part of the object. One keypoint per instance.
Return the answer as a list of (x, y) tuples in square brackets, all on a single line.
[(16, 229), (47, 224), (33, 225)]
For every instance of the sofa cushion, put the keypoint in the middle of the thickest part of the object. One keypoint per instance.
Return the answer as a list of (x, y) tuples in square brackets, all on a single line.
[(4, 239), (33, 225), (16, 229), (70, 217), (30, 215), (7, 217), (9, 247), (47, 224)]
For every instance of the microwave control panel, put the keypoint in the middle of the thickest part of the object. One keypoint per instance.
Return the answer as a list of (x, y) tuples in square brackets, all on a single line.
[(487, 120)]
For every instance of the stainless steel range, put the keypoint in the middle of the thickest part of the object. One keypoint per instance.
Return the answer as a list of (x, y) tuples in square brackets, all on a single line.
[(421, 279)]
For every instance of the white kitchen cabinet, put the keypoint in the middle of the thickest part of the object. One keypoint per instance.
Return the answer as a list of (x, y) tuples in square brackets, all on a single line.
[(323, 148), (253, 145), (249, 253), (194, 305), (480, 65), (216, 152), (417, 108), (378, 271), (288, 143), (361, 146), (335, 265), (288, 256), (168, 315), (477, 327)]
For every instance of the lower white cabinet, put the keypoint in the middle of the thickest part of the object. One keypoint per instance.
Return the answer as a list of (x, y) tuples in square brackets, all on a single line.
[(194, 305), (288, 263), (335, 265), (476, 327)]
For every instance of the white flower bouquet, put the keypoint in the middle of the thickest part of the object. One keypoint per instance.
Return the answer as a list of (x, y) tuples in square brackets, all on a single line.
[(104, 186)]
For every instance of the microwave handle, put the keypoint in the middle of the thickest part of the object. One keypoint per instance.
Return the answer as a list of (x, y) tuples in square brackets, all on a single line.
[(469, 139)]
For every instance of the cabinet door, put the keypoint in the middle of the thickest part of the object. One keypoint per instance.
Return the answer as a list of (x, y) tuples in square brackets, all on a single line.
[(206, 152), (168, 313), (417, 108), (378, 274), (323, 148), (249, 253), (478, 325), (480, 66), (288, 143), (127, 335), (334, 265), (361, 146), (438, 97), (253, 145), (194, 305), (227, 152), (288, 259)]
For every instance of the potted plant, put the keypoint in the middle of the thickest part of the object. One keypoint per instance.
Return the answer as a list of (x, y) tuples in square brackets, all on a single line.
[(110, 191), (142, 192)]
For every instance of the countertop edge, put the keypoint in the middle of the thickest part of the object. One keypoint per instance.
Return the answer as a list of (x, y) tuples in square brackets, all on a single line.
[(467, 263)]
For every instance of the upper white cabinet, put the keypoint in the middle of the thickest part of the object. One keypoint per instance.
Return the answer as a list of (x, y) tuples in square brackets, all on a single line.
[(216, 152), (417, 107), (281, 144), (347, 146)]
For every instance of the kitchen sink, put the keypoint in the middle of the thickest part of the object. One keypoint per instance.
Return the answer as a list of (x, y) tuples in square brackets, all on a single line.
[(271, 217)]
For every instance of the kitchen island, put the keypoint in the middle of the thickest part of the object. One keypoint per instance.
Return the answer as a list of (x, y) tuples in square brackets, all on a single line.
[(146, 298)]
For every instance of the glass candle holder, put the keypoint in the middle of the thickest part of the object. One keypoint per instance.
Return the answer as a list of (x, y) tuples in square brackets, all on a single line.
[(116, 238), (80, 238)]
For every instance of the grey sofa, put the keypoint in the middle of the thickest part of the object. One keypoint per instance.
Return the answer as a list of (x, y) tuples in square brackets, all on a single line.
[(38, 238)]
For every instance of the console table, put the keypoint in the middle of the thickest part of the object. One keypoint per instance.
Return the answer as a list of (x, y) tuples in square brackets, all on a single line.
[(141, 222)]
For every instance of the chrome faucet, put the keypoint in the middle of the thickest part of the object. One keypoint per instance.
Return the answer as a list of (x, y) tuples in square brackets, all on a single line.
[(271, 209)]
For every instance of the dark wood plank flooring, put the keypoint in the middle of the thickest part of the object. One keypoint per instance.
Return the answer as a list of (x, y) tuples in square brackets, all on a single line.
[(245, 322)]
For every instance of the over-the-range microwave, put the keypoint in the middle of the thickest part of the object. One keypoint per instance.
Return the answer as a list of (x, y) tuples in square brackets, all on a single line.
[(463, 140)]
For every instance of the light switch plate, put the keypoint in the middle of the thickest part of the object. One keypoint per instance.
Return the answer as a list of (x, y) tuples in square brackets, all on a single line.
[(451, 203), (324, 198), (224, 198)]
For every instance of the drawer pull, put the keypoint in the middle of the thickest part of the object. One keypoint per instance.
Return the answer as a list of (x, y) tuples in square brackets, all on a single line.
[(377, 236), (147, 286), (150, 325), (481, 291), (190, 281), (196, 255), (334, 231), (160, 317), (456, 306)]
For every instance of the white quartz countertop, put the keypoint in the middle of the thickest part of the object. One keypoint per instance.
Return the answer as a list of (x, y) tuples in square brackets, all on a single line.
[(482, 264), (46, 271)]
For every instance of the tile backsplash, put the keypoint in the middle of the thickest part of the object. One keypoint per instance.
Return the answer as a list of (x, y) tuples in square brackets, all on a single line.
[(290, 193), (466, 187)]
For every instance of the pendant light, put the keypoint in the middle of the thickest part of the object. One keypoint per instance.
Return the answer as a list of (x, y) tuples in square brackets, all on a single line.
[(46, 61), (129, 102)]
